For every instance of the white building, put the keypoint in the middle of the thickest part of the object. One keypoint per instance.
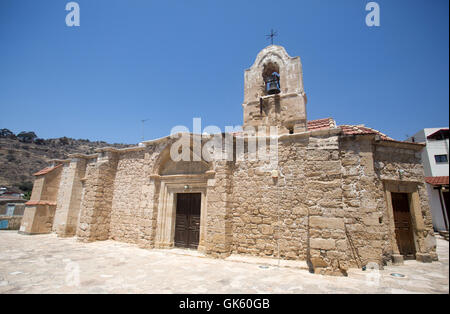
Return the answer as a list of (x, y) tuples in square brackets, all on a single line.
[(435, 158)]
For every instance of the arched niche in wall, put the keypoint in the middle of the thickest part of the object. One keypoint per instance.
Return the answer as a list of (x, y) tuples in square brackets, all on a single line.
[(167, 166)]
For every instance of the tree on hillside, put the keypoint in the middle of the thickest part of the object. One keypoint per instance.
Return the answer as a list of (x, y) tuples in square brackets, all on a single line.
[(26, 137), (39, 141), (64, 140), (5, 133), (26, 186)]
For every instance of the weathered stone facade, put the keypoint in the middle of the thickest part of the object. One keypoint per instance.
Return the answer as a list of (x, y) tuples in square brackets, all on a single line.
[(286, 110), (327, 201), (40, 211)]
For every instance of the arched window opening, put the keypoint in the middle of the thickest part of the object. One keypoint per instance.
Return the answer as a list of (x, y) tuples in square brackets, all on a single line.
[(271, 78)]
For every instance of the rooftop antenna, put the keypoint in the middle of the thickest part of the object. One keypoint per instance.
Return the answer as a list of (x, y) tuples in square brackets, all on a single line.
[(143, 121), (272, 35)]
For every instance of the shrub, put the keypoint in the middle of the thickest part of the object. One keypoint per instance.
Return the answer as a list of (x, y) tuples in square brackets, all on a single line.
[(26, 137)]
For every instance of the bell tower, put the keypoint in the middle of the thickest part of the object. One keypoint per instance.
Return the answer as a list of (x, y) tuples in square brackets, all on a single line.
[(273, 92)]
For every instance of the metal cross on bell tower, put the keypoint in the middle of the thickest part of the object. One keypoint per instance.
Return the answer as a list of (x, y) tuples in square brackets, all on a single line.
[(272, 35)]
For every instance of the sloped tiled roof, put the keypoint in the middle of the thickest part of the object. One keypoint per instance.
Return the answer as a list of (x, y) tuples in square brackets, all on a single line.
[(329, 123), (33, 203), (437, 180), (321, 124), (46, 170), (360, 130)]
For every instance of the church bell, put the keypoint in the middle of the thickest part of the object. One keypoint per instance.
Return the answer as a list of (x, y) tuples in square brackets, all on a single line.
[(273, 84)]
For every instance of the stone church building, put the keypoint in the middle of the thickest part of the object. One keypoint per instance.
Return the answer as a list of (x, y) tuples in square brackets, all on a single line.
[(338, 197)]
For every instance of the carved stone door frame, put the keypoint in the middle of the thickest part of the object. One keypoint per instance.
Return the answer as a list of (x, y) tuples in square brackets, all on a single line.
[(417, 222), (165, 222)]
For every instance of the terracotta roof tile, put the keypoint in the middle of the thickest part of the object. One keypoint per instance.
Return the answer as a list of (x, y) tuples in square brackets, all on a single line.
[(321, 124), (31, 203), (437, 180), (329, 123), (46, 170), (361, 130)]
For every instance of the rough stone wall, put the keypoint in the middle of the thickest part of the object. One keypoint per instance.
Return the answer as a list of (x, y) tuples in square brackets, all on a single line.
[(130, 213), (136, 195), (149, 197), (38, 219), (63, 199), (326, 225), (128, 183), (364, 205), (38, 187), (51, 186), (73, 214), (40, 210), (270, 214), (87, 220), (298, 215), (45, 187), (426, 236), (327, 207), (398, 164), (26, 225), (69, 197), (390, 159), (95, 216), (219, 230)]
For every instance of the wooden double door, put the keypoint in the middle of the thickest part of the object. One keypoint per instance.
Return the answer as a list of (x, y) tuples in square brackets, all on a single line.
[(403, 225), (187, 224)]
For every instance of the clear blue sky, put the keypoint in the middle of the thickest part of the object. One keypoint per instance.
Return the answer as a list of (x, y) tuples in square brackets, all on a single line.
[(172, 60)]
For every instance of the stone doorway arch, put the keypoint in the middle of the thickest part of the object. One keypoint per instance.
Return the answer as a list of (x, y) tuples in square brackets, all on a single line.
[(176, 177)]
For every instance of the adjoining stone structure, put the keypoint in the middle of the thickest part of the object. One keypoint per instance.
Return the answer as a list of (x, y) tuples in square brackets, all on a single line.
[(40, 210), (332, 198)]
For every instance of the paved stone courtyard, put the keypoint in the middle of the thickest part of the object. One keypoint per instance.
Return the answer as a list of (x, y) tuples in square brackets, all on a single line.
[(47, 264)]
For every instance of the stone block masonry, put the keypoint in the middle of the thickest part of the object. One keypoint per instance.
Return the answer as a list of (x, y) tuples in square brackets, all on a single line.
[(329, 205), (326, 199)]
